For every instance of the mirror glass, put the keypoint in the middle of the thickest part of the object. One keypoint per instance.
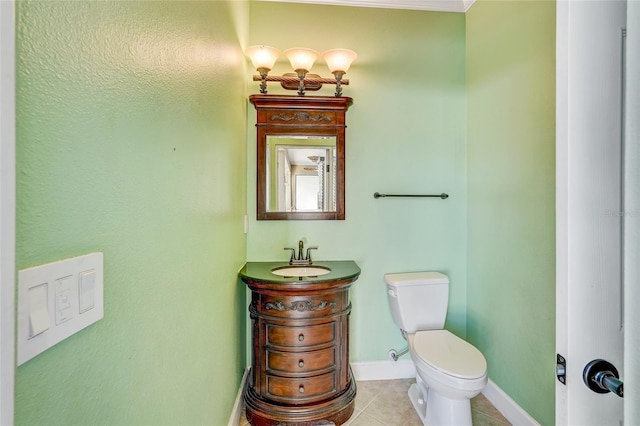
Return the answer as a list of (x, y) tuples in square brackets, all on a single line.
[(301, 173)]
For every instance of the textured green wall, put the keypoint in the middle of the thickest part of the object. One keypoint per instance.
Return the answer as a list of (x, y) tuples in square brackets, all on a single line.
[(511, 196), (405, 134), (131, 140)]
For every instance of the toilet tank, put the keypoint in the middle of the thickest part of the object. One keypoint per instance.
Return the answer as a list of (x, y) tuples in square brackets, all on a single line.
[(418, 300)]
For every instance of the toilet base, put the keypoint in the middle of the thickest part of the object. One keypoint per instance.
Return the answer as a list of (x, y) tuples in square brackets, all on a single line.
[(435, 409)]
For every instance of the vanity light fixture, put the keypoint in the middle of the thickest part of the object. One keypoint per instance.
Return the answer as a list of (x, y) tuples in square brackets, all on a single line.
[(263, 58), (339, 61), (302, 60)]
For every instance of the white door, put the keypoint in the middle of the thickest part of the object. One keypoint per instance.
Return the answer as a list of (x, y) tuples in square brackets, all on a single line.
[(632, 218), (7, 210), (590, 308), (307, 192)]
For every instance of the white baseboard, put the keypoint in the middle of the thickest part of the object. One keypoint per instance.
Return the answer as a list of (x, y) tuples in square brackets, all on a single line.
[(383, 370), (507, 406), (234, 420), (390, 370)]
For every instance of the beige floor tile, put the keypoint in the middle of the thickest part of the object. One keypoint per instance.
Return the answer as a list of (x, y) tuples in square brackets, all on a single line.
[(393, 407), (386, 403), (367, 391), (364, 420), (481, 419), (481, 404)]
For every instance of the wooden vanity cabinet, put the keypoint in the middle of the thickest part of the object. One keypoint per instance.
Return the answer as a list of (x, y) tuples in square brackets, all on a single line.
[(300, 372)]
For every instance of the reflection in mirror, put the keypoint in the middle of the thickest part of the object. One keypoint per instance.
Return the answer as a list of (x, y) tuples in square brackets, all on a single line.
[(301, 173)]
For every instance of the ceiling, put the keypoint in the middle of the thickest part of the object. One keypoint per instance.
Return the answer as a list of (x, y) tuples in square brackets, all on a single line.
[(433, 5)]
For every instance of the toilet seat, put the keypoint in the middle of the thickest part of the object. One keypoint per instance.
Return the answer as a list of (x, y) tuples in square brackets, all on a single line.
[(448, 354)]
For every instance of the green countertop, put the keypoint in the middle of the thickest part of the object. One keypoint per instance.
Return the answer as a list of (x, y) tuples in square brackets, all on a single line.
[(260, 273)]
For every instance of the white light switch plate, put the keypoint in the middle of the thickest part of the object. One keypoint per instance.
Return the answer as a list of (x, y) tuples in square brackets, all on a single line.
[(74, 300)]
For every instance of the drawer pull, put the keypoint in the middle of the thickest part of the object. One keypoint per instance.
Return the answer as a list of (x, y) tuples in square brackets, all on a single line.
[(300, 337), (301, 363), (301, 389)]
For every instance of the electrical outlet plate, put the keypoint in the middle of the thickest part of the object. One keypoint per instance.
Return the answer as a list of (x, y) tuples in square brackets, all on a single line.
[(56, 300)]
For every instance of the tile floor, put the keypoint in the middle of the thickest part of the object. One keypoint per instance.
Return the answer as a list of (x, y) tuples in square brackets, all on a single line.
[(386, 403)]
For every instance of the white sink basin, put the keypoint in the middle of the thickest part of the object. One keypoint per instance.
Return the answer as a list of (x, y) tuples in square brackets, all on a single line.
[(300, 271)]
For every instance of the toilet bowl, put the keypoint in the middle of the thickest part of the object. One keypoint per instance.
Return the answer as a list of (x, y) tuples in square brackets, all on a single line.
[(449, 370)]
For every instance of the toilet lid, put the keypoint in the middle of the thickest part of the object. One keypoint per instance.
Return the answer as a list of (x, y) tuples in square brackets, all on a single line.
[(449, 354)]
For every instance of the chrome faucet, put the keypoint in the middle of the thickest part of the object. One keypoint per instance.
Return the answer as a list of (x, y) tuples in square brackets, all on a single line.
[(300, 259)]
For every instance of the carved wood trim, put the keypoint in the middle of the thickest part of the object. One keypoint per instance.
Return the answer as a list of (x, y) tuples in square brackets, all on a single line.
[(300, 116), (300, 306)]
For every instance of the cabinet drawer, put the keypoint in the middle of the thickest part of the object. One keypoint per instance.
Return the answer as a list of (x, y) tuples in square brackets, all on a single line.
[(301, 362), (301, 336), (303, 306), (308, 388)]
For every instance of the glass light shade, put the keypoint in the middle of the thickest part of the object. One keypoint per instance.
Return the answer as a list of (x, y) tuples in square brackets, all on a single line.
[(339, 59), (262, 56), (301, 58)]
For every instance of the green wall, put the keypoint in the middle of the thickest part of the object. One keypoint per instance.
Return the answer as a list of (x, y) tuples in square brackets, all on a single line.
[(405, 134), (511, 196), (135, 138), (131, 140)]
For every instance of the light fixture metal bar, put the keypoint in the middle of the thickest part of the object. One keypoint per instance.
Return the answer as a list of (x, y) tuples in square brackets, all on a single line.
[(295, 80)]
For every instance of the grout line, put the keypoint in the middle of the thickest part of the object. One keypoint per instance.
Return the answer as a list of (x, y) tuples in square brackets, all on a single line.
[(353, 418), (374, 399), (365, 407), (371, 402)]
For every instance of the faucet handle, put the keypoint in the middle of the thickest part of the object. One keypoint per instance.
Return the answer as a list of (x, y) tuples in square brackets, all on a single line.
[(309, 253), (293, 254)]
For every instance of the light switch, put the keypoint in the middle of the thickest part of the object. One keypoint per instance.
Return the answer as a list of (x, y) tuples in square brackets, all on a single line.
[(38, 310), (64, 310), (86, 289)]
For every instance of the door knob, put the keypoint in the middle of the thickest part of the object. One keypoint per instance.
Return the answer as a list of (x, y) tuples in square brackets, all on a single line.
[(602, 377)]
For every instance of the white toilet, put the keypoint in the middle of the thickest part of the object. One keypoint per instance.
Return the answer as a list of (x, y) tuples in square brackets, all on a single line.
[(449, 371)]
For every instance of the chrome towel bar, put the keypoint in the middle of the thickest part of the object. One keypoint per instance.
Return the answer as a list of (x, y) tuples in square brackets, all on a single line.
[(379, 195)]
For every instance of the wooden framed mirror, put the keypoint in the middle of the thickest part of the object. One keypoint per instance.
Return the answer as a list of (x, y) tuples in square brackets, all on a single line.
[(301, 157)]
